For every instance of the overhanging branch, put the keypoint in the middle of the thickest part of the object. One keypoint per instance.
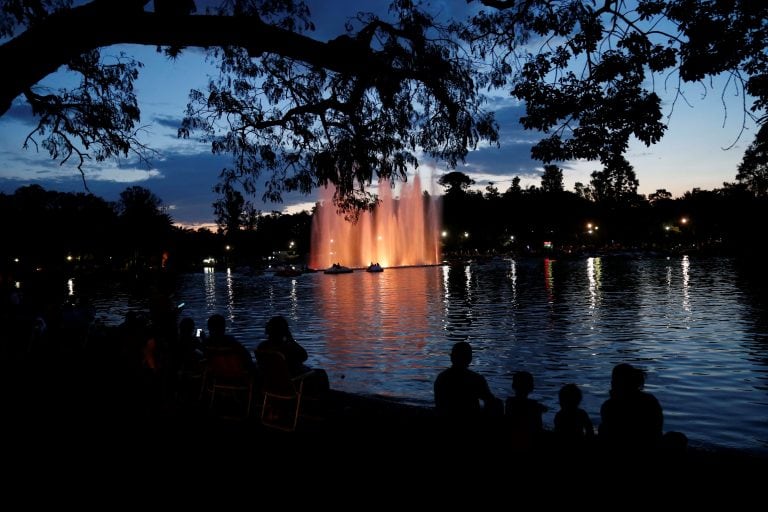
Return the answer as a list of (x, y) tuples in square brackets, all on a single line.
[(41, 50)]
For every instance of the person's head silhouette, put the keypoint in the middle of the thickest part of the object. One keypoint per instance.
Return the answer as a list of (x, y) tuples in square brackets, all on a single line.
[(217, 325), (570, 396), (625, 378), (522, 383), (461, 354), (277, 329), (187, 326)]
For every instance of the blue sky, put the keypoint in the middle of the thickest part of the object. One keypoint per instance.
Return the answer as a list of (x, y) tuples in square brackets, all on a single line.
[(184, 172)]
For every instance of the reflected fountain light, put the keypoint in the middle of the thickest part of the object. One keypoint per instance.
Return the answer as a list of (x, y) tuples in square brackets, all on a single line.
[(230, 293), (549, 280), (686, 278), (209, 280), (513, 277), (399, 232), (593, 275)]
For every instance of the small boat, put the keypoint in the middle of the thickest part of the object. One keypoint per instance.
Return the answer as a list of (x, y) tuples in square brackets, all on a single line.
[(289, 271), (337, 269), (374, 267)]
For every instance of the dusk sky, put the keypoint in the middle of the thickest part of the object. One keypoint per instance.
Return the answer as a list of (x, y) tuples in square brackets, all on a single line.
[(692, 153)]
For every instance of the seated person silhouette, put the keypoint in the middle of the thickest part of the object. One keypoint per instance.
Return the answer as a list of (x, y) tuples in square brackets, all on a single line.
[(573, 427), (523, 413), (631, 418), (459, 390), (219, 340), (187, 350), (280, 339)]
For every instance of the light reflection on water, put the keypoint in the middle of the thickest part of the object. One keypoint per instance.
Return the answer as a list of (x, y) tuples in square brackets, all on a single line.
[(698, 326)]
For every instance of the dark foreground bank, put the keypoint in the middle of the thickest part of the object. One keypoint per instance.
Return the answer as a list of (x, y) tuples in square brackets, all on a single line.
[(68, 404)]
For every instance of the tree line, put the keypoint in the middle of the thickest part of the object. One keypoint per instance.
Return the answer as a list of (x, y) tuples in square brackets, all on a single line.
[(49, 230), (607, 214), (65, 231)]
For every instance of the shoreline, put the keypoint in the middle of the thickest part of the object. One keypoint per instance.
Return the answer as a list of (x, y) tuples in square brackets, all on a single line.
[(80, 387)]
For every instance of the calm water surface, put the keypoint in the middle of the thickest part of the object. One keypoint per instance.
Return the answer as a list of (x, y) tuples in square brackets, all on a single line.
[(698, 326)]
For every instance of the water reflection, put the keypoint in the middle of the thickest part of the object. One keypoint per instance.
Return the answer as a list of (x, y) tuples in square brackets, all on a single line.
[(513, 279), (594, 266), (393, 304), (294, 297), (457, 318), (698, 325), (230, 295), (685, 265), (209, 283), (549, 280)]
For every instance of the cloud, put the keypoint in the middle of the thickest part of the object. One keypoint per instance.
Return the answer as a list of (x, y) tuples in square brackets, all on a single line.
[(121, 175), (20, 112), (168, 122)]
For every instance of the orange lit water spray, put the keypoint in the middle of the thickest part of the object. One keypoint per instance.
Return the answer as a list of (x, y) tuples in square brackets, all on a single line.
[(398, 232)]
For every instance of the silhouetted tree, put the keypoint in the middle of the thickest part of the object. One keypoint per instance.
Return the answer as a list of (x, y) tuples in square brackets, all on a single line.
[(753, 169), (302, 112), (350, 109), (590, 111), (616, 183), (229, 210), (146, 227), (552, 179), (580, 190), (514, 189), (456, 183), (661, 194), (492, 192)]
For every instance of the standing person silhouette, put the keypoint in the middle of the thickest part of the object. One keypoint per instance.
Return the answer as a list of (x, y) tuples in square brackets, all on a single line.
[(459, 390)]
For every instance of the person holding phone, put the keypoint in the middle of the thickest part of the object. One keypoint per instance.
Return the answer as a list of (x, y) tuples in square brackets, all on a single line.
[(187, 352)]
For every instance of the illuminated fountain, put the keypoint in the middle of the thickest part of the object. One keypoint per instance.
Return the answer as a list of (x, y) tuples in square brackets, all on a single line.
[(399, 232)]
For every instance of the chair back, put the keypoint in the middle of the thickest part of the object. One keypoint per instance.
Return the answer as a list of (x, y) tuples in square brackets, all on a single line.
[(275, 377), (225, 363), (227, 371)]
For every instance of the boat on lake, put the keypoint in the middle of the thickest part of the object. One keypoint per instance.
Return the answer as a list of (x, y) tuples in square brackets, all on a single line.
[(338, 269)]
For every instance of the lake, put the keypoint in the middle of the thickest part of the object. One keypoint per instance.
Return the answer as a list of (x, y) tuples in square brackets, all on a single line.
[(698, 326)]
